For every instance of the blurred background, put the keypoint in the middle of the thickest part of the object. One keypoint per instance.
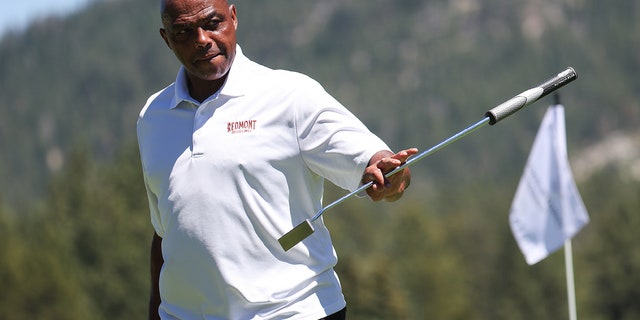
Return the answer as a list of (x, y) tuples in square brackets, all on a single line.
[(74, 221)]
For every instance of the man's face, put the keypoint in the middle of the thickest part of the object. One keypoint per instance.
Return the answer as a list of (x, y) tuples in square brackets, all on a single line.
[(202, 34)]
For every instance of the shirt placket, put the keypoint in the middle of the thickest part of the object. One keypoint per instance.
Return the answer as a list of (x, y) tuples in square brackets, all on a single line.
[(203, 114)]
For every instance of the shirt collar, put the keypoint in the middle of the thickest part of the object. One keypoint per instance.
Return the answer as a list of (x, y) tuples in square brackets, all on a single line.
[(232, 87)]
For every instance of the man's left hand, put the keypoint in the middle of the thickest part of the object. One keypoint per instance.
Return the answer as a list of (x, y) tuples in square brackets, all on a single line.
[(388, 189)]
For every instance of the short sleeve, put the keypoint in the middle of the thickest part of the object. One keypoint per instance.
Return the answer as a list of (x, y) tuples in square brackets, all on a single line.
[(335, 144)]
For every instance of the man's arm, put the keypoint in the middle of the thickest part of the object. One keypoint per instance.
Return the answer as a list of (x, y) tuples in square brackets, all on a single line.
[(156, 265), (392, 188)]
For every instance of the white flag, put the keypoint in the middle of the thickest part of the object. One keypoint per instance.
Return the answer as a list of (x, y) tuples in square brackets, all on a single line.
[(547, 209)]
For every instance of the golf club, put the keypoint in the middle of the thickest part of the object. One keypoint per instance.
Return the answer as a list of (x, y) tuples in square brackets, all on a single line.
[(493, 116)]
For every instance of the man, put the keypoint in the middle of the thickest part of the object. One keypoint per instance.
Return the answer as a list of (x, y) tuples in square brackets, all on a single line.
[(234, 155)]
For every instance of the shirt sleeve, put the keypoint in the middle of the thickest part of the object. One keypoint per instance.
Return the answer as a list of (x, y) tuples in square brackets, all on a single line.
[(153, 210), (334, 143)]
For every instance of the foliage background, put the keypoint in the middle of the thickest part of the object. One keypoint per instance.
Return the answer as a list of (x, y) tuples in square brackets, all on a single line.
[(73, 212)]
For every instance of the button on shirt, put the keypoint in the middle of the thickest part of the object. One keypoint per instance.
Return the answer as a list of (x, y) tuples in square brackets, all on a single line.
[(227, 177)]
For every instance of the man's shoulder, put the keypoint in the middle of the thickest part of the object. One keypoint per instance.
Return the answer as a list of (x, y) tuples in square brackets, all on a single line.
[(295, 77), (256, 71), (292, 80), (167, 93), (252, 73), (160, 99)]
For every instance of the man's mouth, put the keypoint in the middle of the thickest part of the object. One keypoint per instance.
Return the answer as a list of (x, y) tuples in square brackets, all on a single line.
[(208, 57)]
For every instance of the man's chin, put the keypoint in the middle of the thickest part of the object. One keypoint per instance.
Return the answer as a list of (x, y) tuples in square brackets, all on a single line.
[(209, 75)]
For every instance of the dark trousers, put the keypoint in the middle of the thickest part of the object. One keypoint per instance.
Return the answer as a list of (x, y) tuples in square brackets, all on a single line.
[(340, 315)]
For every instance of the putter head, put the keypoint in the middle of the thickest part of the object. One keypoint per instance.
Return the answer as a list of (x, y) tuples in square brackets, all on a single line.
[(295, 235)]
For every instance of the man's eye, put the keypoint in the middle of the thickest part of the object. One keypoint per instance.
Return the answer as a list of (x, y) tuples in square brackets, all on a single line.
[(213, 24), (181, 33)]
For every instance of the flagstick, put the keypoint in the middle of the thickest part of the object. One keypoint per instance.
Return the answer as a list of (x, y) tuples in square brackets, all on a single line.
[(568, 261), (571, 291)]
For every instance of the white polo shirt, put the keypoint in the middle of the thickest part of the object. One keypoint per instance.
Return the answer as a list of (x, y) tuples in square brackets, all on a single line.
[(227, 177)]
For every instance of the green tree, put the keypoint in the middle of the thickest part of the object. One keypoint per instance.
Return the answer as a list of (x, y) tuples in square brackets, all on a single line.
[(610, 256), (107, 231)]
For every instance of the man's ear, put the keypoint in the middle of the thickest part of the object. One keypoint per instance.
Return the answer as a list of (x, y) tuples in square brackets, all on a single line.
[(163, 34), (234, 16)]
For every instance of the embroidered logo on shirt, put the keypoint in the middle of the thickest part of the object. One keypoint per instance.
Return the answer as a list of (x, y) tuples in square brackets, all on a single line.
[(241, 126)]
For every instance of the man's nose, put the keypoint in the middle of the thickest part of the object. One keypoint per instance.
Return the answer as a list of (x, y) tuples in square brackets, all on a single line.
[(202, 38)]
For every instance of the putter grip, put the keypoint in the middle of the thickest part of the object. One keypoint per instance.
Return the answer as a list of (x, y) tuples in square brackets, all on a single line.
[(530, 96)]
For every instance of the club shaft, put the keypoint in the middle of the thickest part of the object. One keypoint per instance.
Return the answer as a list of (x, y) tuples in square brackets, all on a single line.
[(409, 162), (491, 117)]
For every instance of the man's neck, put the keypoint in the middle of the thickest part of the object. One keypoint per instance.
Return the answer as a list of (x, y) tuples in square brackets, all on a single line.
[(200, 90)]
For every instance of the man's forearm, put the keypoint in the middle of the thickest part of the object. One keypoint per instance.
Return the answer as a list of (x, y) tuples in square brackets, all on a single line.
[(156, 265)]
